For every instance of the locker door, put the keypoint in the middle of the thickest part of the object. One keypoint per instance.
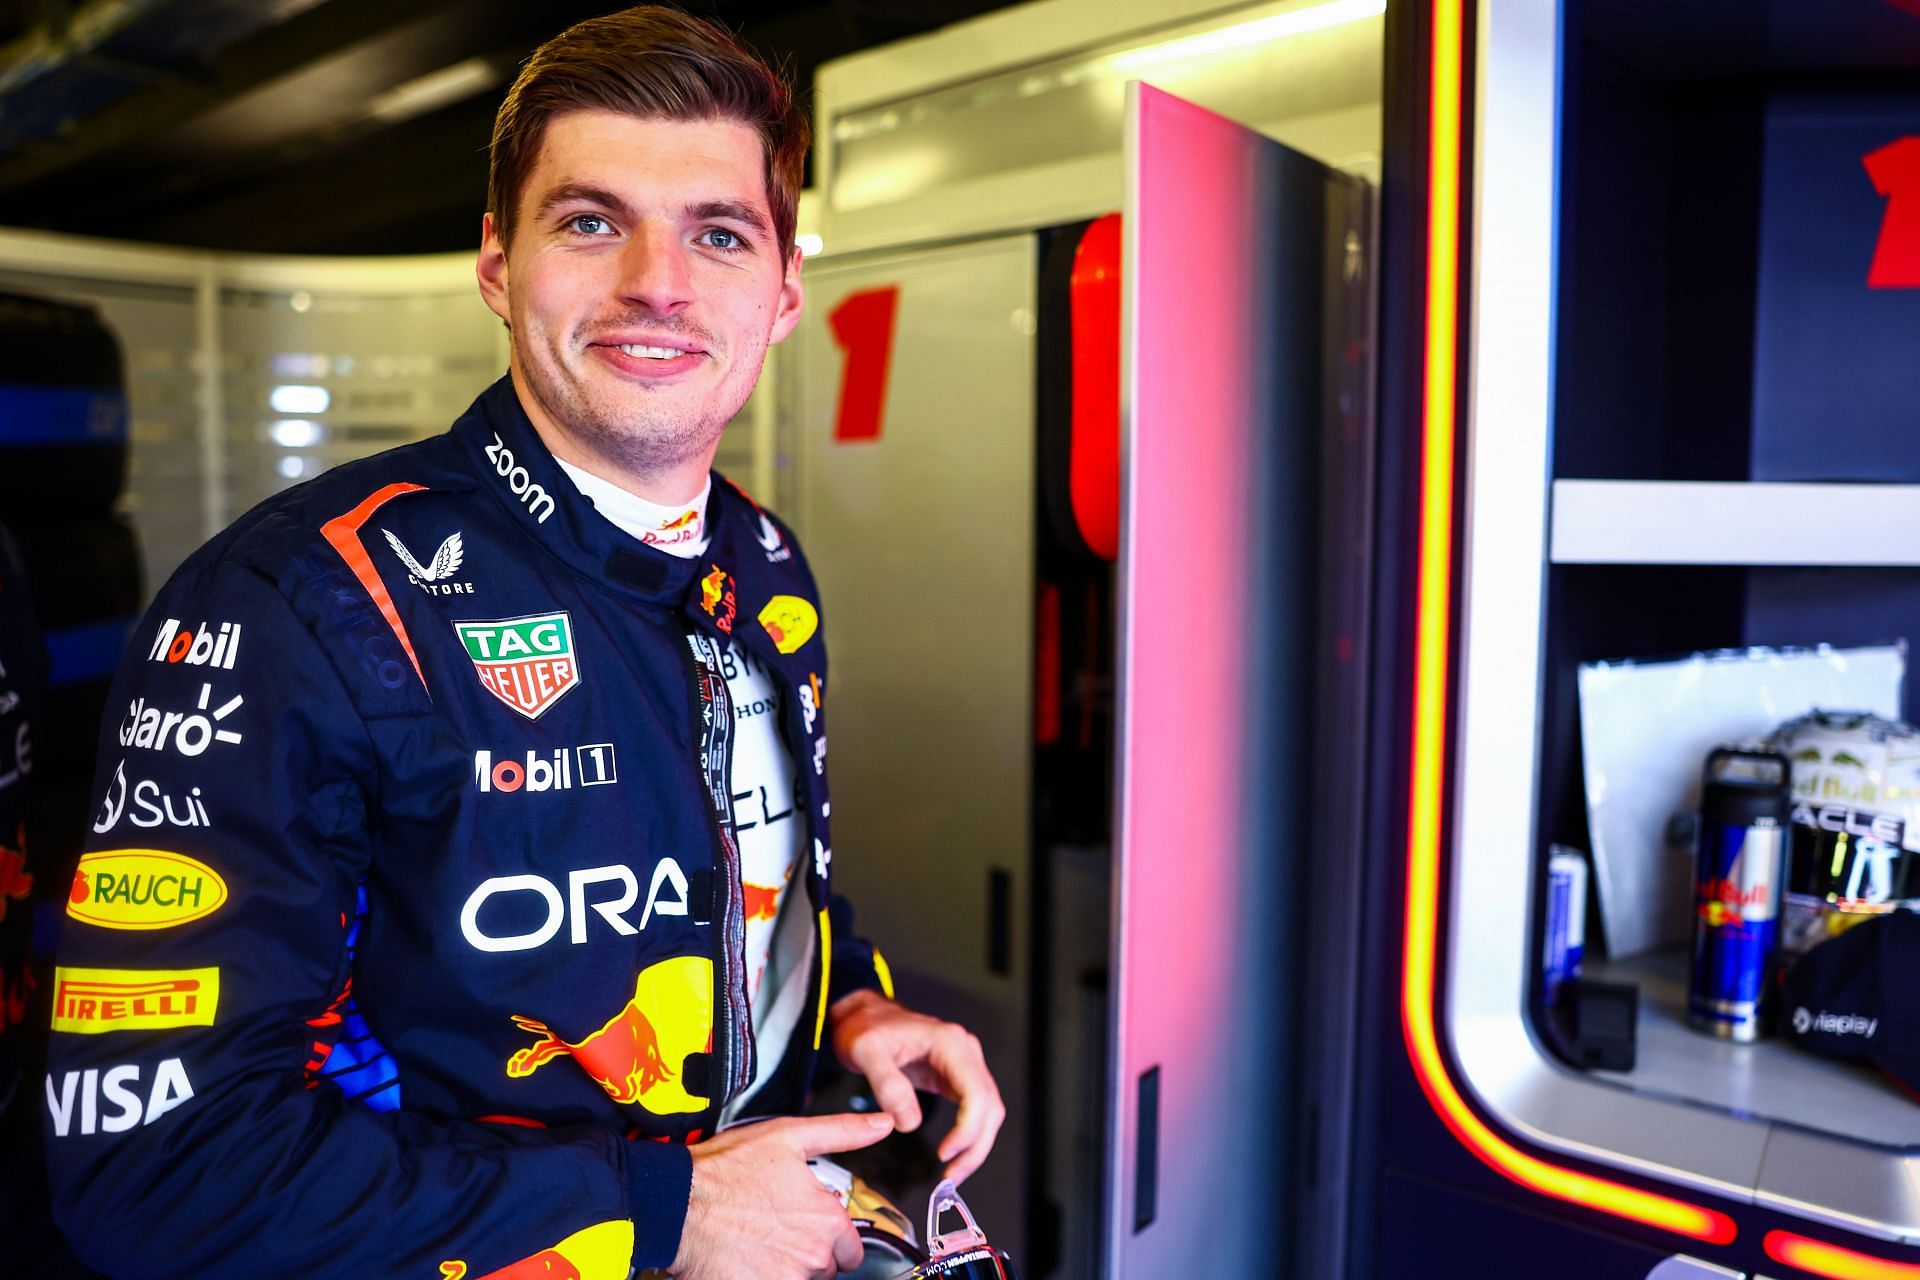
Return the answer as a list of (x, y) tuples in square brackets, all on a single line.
[(914, 463), (1220, 827)]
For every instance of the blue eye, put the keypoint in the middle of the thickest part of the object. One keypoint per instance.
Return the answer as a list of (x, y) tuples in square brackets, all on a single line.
[(729, 241), (590, 224)]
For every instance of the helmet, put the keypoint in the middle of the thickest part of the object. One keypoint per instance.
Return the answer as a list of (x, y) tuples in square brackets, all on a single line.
[(884, 1231), (963, 1254), (1855, 849), (892, 1253)]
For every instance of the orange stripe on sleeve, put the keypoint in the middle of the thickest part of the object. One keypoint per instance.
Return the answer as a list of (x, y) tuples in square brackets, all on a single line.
[(343, 534)]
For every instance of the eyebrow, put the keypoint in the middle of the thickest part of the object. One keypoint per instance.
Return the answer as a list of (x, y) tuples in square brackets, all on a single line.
[(731, 210), (585, 193)]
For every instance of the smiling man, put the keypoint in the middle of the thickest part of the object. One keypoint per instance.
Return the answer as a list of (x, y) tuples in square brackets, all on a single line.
[(461, 874)]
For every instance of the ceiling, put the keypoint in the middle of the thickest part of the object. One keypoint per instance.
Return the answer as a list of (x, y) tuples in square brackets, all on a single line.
[(312, 126)]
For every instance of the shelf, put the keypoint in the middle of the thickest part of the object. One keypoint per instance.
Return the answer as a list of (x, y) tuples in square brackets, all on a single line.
[(1734, 523), (1769, 1079)]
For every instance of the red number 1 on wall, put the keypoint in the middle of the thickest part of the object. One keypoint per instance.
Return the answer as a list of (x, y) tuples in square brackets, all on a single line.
[(1895, 170), (863, 330)]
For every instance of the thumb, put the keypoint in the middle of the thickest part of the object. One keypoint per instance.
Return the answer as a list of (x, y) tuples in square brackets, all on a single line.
[(848, 1251), (894, 1094), (827, 1135)]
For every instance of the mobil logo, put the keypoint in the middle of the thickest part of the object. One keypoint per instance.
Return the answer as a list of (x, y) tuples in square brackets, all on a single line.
[(196, 646), (525, 912), (588, 766), (526, 662)]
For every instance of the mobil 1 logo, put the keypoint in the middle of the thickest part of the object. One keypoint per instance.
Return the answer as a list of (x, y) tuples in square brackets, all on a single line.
[(559, 770)]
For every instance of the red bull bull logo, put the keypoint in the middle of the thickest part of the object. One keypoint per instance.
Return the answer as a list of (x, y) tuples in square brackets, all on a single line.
[(636, 1054), (716, 597)]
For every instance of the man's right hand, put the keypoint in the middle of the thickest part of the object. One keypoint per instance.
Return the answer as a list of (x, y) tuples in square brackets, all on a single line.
[(758, 1213)]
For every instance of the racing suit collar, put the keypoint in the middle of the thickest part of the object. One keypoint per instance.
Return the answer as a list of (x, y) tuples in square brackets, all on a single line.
[(514, 464)]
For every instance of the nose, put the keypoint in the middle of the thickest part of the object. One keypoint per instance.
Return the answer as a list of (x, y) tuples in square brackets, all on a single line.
[(653, 269)]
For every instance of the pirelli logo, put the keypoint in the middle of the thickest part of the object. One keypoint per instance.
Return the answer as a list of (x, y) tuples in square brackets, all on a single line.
[(90, 1001)]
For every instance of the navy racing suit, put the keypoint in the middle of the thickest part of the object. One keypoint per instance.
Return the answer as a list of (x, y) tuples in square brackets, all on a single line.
[(408, 938)]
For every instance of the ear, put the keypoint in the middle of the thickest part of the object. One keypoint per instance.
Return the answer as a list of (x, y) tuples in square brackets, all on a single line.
[(491, 269), (792, 296)]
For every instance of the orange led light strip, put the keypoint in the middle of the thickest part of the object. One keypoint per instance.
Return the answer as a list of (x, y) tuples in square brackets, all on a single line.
[(1823, 1259), (1430, 696)]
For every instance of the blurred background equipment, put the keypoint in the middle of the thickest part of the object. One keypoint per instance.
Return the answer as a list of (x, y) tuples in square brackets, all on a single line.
[(63, 463), (1856, 822)]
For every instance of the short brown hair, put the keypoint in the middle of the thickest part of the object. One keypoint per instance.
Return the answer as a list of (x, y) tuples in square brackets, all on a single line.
[(656, 63)]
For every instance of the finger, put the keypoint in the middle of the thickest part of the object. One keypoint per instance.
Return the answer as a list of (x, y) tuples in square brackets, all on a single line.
[(968, 1161), (967, 1076), (968, 1144), (825, 1135), (894, 1092), (847, 1249)]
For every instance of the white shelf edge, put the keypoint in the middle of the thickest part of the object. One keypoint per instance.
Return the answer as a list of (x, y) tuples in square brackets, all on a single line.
[(1684, 522)]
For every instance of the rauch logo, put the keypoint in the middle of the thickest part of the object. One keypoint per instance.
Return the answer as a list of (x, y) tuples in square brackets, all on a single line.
[(143, 889)]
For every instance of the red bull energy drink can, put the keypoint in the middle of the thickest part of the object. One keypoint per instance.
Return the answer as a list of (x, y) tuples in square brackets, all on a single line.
[(1738, 871)]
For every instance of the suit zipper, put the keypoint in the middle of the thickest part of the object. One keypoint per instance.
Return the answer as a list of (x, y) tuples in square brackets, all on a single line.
[(733, 1045)]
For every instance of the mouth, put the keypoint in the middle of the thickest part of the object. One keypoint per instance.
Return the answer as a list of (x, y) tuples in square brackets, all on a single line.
[(650, 360), (639, 352)]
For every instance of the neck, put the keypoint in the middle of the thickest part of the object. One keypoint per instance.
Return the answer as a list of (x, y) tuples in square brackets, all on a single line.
[(672, 485)]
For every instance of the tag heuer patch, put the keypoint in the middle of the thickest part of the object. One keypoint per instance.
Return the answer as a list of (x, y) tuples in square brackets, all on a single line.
[(527, 662)]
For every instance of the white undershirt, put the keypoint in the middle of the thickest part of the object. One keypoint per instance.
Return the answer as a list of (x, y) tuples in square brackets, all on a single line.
[(766, 823), (679, 530)]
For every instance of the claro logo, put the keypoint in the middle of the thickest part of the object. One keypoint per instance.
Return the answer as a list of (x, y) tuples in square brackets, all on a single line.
[(143, 889), (188, 733), (538, 501), (505, 902)]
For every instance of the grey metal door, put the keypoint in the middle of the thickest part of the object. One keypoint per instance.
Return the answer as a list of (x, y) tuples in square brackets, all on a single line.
[(912, 421)]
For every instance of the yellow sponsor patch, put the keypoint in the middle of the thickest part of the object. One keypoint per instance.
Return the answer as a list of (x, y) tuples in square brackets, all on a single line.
[(89, 1001), (603, 1251), (791, 622), (143, 889)]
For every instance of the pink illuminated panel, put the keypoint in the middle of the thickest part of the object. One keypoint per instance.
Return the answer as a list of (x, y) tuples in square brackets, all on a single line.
[(1225, 254)]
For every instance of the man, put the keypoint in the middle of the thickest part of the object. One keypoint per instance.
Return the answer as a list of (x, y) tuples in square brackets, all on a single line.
[(464, 851)]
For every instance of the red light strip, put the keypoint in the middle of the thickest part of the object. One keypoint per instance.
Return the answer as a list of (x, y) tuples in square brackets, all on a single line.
[(1822, 1259), (1430, 696)]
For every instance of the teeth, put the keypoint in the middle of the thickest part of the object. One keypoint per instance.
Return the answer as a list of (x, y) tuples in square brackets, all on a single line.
[(651, 353)]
